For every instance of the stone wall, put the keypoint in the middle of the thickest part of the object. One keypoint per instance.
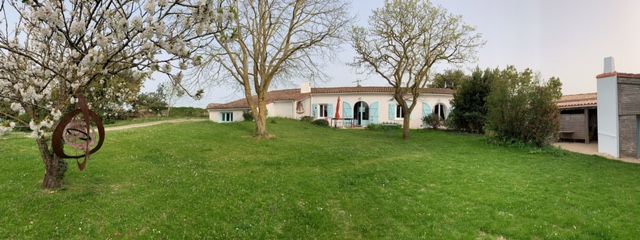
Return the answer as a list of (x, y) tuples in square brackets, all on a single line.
[(628, 136), (573, 123), (629, 112), (629, 96)]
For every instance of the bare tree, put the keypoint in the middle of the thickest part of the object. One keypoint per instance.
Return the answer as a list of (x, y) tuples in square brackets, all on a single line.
[(52, 51), (273, 40), (405, 39)]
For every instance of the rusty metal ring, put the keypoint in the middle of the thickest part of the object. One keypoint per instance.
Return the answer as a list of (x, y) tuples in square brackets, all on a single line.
[(58, 141)]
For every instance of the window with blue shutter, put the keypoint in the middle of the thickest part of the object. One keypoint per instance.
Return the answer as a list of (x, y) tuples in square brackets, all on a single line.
[(373, 113), (347, 111), (426, 109), (392, 111), (330, 111), (323, 110)]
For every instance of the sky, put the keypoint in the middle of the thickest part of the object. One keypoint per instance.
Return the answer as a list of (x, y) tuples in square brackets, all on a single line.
[(564, 38)]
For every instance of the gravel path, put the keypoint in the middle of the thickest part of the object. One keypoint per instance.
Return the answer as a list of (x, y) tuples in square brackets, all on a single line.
[(148, 124)]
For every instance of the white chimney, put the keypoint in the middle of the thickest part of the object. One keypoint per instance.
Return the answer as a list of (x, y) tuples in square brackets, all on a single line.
[(305, 87), (609, 65)]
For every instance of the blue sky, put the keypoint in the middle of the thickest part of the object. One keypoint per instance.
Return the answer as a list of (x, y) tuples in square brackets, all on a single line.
[(563, 38)]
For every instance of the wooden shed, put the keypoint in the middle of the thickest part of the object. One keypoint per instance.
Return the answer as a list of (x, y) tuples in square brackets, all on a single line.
[(579, 117)]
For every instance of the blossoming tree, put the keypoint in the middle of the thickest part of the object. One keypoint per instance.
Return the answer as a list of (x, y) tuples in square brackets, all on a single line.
[(52, 51)]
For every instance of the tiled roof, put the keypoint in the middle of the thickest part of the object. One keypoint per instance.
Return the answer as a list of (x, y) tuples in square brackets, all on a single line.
[(586, 100), (272, 96), (619, 75), (376, 90), (295, 95)]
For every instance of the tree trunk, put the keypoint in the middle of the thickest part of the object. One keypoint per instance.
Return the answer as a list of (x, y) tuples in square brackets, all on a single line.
[(261, 122), (54, 166), (406, 125)]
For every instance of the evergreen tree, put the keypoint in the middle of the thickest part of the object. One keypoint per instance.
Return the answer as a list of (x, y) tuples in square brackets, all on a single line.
[(470, 102)]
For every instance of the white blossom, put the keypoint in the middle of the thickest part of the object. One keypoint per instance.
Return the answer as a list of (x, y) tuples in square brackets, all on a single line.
[(60, 49)]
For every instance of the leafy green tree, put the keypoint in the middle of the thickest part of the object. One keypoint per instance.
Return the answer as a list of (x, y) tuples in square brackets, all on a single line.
[(522, 108), (451, 79), (470, 101), (152, 101)]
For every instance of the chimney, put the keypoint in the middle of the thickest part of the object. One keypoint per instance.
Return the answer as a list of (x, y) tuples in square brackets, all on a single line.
[(609, 65), (305, 87)]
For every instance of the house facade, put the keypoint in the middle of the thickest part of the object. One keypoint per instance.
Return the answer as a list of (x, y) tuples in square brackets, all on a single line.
[(359, 106)]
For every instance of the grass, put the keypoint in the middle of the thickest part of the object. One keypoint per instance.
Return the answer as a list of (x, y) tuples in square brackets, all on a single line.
[(206, 180)]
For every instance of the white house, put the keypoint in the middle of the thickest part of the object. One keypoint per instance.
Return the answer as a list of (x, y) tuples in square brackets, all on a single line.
[(359, 106)]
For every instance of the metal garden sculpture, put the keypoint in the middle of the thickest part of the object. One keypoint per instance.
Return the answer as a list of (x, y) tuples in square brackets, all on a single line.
[(77, 131)]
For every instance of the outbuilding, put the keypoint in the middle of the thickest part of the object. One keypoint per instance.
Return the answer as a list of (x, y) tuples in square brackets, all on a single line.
[(618, 112)]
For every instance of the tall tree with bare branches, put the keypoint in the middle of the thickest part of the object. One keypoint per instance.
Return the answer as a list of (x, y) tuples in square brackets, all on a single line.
[(273, 40), (405, 39)]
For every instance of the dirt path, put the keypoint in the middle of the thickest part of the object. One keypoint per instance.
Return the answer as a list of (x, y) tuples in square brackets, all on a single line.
[(148, 124)]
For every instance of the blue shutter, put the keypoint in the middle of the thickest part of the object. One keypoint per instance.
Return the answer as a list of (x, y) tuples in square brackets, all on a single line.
[(373, 113), (330, 111), (347, 112), (426, 109), (314, 110), (392, 111)]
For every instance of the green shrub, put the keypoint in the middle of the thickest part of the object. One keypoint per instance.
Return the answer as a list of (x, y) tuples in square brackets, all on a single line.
[(188, 112), (247, 116), (321, 122), (384, 126), (306, 119), (522, 108), (469, 105), (432, 121)]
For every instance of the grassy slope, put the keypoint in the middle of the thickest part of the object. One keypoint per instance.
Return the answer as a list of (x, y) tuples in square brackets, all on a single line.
[(208, 180)]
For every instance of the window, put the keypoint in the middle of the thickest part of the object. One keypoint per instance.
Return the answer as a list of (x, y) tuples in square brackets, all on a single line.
[(399, 112), (299, 107), (440, 112), (227, 117), (323, 110)]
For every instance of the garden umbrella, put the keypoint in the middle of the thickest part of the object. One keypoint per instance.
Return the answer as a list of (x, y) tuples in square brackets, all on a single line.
[(337, 116)]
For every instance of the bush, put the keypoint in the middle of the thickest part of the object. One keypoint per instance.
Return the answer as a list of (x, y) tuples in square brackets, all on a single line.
[(469, 103), (384, 126), (188, 112), (321, 122), (306, 119), (247, 116), (432, 121), (521, 108)]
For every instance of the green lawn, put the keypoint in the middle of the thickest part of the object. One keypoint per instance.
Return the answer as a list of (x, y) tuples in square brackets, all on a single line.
[(206, 180)]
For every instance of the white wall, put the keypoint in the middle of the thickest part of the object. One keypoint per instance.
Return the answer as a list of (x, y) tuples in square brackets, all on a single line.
[(306, 104), (216, 115), (383, 105), (608, 135), (284, 109)]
